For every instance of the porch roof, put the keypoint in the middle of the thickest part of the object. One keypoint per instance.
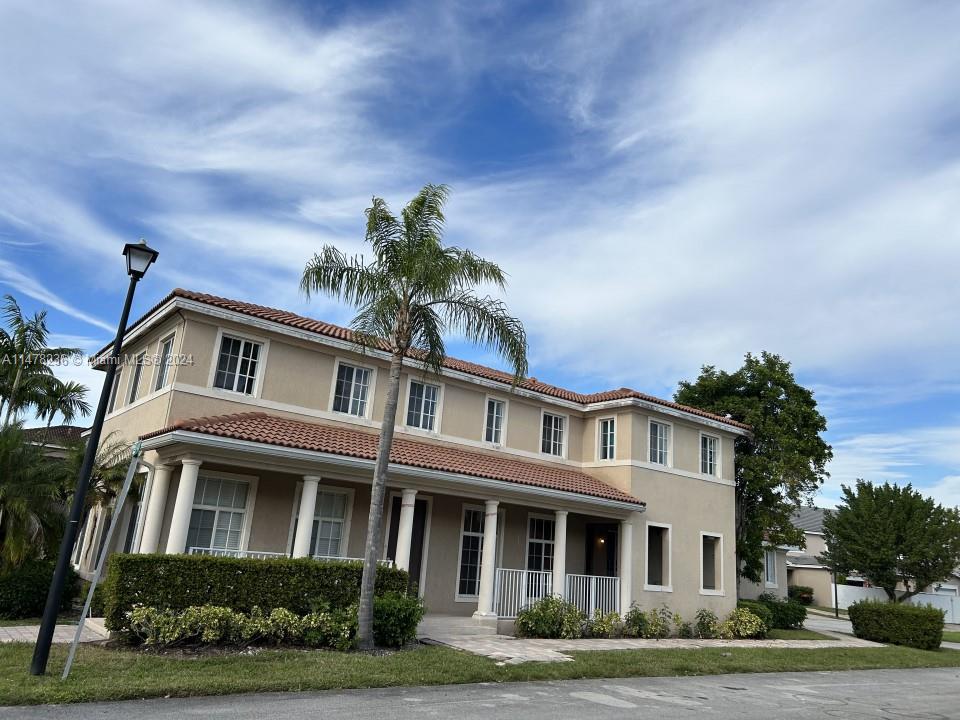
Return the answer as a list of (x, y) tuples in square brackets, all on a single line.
[(264, 428)]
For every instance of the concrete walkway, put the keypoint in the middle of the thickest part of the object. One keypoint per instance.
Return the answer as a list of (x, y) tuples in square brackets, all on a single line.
[(93, 631)]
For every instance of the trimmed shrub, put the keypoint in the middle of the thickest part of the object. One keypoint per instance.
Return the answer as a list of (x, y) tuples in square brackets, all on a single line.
[(759, 609), (786, 614), (803, 594), (23, 591), (605, 625), (742, 624), (395, 619), (176, 582), (707, 624), (897, 624), (550, 617)]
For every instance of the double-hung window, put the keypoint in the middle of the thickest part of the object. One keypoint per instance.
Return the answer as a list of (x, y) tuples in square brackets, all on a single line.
[(329, 521), (608, 438), (540, 538), (163, 364), (471, 552), (659, 443), (552, 438), (219, 509), (770, 567), (350, 393), (709, 454), (493, 430), (237, 365), (135, 380), (114, 391), (422, 405)]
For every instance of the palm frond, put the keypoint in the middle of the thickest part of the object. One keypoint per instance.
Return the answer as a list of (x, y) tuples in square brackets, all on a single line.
[(332, 273)]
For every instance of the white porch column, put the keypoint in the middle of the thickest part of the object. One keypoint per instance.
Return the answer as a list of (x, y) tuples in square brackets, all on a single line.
[(488, 562), (156, 504), (626, 565), (405, 530), (183, 507), (308, 508), (560, 554)]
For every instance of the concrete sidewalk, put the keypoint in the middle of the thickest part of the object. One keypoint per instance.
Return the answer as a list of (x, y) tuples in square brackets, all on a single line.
[(93, 631)]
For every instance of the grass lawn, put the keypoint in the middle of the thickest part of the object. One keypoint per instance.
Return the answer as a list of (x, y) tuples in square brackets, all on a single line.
[(107, 674), (797, 635), (951, 636)]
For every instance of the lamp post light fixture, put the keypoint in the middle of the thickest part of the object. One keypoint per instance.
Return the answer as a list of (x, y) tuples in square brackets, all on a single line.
[(139, 258)]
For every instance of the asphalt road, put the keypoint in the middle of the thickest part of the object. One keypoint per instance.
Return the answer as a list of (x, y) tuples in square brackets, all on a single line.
[(807, 696)]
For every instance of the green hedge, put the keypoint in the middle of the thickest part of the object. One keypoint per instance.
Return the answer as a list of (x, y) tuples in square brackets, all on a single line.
[(176, 582), (786, 614), (917, 627), (23, 592), (803, 594), (759, 609)]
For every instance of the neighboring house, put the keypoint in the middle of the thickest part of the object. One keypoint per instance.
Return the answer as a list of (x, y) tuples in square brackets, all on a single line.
[(262, 426), (774, 580), (56, 439), (804, 566)]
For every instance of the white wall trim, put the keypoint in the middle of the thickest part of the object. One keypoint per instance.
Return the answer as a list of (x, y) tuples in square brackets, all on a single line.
[(140, 401), (646, 558)]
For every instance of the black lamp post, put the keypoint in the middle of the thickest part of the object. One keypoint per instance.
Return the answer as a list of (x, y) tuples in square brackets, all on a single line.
[(139, 258)]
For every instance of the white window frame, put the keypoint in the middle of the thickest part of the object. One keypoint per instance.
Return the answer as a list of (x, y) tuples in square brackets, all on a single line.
[(261, 362), (114, 391), (133, 389), (719, 589), (552, 543), (503, 422), (646, 557), (565, 434), (252, 484), (161, 373), (435, 430), (347, 517), (458, 597), (718, 471), (768, 554), (371, 387), (613, 446), (670, 435)]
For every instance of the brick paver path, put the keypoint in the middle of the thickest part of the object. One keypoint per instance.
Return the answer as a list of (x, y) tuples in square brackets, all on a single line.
[(61, 634)]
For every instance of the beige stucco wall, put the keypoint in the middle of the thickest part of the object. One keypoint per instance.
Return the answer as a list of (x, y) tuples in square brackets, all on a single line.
[(817, 578), (815, 544), (751, 591)]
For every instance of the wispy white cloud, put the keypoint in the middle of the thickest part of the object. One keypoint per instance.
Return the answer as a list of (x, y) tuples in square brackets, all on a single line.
[(23, 283)]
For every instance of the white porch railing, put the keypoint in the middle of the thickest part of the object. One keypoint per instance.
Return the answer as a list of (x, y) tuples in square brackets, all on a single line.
[(516, 589), (593, 592), (215, 552)]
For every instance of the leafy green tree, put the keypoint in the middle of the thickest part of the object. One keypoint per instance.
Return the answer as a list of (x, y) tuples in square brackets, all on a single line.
[(892, 535), (413, 292), (782, 464)]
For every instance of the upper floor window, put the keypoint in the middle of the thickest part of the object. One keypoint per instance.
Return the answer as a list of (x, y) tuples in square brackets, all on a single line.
[(554, 427), (493, 432), (163, 364), (709, 454), (422, 405), (237, 365), (114, 391), (135, 380), (350, 394), (608, 438), (659, 443)]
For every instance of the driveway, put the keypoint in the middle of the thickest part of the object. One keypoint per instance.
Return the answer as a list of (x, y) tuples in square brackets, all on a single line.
[(806, 696)]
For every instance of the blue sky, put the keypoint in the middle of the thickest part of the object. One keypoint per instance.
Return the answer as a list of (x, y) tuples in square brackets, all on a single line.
[(668, 184)]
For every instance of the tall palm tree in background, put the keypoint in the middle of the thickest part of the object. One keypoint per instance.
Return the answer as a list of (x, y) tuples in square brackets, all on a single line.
[(408, 297), (66, 398)]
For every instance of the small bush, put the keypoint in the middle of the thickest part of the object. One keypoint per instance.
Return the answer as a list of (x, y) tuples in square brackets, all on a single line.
[(760, 610), (550, 617), (803, 594), (635, 623), (23, 591), (706, 624), (395, 619), (658, 623), (177, 582), (684, 629), (744, 624), (897, 624), (786, 614), (605, 625)]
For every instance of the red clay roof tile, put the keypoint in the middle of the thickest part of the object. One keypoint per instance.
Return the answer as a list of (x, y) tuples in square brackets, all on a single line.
[(261, 427)]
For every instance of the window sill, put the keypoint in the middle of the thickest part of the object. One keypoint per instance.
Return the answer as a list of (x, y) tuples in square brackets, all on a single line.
[(467, 598), (715, 593), (658, 588), (771, 586)]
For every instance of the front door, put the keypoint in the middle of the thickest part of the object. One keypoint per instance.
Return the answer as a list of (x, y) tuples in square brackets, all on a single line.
[(601, 550), (420, 508)]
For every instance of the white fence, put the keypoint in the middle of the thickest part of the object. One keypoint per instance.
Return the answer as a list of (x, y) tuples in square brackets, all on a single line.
[(516, 589), (849, 594), (593, 592), (264, 555)]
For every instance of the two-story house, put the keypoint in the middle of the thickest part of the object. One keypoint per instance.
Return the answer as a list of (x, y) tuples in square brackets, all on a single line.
[(261, 426)]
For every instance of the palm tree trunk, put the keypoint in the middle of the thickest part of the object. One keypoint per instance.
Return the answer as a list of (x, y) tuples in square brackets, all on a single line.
[(13, 395), (372, 550)]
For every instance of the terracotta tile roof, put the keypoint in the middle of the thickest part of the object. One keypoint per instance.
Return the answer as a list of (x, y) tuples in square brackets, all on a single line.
[(286, 432), (284, 317), (58, 435)]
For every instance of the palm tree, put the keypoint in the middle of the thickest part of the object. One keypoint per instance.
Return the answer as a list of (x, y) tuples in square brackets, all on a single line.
[(67, 398), (412, 293)]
